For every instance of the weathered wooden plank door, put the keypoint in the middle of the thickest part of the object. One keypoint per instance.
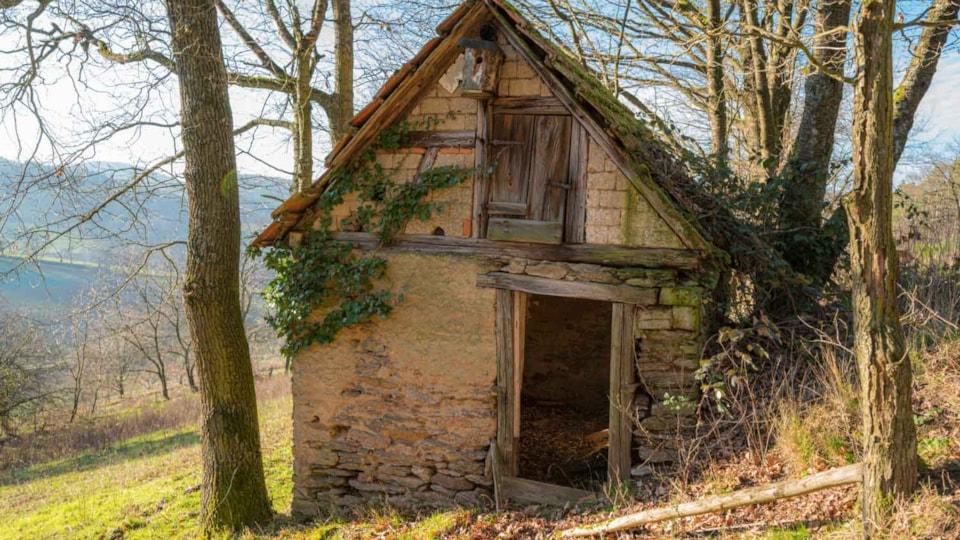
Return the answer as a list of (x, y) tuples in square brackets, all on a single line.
[(531, 176)]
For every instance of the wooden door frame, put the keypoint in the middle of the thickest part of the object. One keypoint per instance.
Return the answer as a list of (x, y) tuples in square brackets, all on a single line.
[(511, 307)]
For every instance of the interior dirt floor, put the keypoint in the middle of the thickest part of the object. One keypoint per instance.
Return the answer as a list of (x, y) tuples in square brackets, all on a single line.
[(554, 447)]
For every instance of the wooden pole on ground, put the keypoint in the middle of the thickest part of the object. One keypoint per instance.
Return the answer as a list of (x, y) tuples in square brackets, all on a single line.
[(841, 476)]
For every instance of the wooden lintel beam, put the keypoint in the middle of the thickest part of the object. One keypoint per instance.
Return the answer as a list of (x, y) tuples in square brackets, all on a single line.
[(607, 255), (571, 289)]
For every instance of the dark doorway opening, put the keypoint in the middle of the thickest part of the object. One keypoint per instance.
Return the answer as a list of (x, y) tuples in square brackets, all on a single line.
[(564, 408)]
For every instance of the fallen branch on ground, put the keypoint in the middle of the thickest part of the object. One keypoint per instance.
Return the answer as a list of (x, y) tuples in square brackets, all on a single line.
[(756, 495)]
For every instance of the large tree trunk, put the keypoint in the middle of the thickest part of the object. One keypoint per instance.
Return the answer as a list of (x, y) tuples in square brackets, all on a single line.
[(890, 446), (233, 490), (807, 169)]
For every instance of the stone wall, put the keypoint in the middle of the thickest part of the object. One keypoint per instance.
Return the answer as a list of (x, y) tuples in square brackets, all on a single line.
[(616, 212), (567, 351), (403, 409), (404, 412), (517, 78)]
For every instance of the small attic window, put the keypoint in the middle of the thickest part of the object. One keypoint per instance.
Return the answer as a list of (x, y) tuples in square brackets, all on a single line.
[(438, 231)]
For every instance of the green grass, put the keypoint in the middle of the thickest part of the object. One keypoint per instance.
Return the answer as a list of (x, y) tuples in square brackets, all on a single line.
[(148, 487), (144, 487), (799, 532)]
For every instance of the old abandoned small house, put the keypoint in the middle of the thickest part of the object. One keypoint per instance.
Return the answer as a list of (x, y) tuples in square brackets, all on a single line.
[(552, 311)]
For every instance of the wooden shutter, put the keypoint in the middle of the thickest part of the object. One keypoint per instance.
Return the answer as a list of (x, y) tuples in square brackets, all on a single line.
[(530, 181)]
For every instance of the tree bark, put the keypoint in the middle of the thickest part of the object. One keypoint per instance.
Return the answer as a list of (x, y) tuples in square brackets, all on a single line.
[(303, 126), (233, 489), (343, 29), (719, 144), (807, 168), (757, 70), (923, 66), (890, 446)]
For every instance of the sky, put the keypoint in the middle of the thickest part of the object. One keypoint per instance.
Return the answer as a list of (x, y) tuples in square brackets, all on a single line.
[(938, 118), (69, 113)]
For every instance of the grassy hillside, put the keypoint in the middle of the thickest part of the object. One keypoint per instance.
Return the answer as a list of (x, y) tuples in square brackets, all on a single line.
[(144, 487), (148, 487)]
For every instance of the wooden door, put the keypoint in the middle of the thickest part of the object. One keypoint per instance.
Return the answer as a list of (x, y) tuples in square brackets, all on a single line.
[(531, 177)]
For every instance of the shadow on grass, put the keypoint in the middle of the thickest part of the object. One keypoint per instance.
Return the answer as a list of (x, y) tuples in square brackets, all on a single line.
[(135, 448)]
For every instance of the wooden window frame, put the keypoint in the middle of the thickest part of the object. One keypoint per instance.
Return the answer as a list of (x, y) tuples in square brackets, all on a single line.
[(575, 209)]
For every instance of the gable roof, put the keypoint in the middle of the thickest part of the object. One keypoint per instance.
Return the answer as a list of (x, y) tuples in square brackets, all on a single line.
[(649, 163)]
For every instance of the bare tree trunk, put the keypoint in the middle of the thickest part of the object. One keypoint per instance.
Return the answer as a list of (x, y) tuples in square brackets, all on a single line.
[(343, 28), (162, 377), (761, 89), (188, 369), (919, 75), (807, 169), (719, 144), (75, 405), (233, 489), (780, 73), (303, 122), (890, 446)]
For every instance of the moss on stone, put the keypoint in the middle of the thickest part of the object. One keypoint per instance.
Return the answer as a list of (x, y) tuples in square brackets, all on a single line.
[(680, 296)]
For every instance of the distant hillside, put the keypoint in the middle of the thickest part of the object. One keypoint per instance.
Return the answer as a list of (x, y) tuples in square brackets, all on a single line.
[(46, 288), (152, 215)]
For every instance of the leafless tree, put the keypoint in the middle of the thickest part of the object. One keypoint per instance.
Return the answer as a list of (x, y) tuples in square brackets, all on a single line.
[(78, 359), (768, 79), (25, 371)]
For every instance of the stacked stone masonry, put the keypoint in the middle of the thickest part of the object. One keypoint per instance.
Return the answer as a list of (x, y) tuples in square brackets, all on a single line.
[(616, 212), (403, 409)]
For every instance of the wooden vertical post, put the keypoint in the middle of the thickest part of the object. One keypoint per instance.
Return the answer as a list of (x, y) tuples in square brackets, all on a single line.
[(519, 339), (482, 182), (621, 393), (507, 386)]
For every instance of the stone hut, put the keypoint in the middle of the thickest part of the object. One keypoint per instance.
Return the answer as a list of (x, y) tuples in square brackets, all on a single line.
[(553, 311)]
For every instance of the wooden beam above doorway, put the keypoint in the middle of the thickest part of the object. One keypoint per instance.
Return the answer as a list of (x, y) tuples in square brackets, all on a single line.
[(571, 289)]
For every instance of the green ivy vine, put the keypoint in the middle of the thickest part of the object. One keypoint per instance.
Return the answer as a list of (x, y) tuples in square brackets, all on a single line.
[(323, 275)]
